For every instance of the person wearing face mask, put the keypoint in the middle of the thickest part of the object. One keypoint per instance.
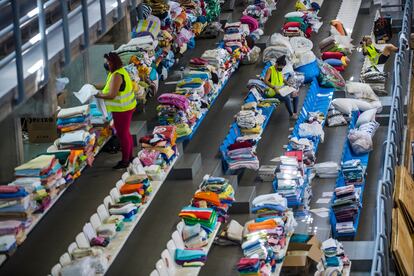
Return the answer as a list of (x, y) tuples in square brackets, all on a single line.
[(120, 100), (376, 56), (275, 80)]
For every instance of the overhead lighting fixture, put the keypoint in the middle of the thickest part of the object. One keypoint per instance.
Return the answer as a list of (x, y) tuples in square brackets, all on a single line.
[(35, 67)]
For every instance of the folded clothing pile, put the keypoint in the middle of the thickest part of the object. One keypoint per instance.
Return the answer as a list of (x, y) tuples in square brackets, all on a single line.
[(334, 260), (235, 35), (249, 266), (336, 118), (44, 170), (326, 169), (216, 193), (312, 127), (206, 217), (174, 109), (345, 206), (218, 58), (291, 181), (159, 149), (190, 257), (74, 125), (353, 172), (306, 146), (375, 79), (265, 237), (260, 11), (242, 154), (301, 23)]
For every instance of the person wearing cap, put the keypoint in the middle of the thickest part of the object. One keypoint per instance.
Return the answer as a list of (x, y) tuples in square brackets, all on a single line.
[(275, 80), (120, 100), (375, 55)]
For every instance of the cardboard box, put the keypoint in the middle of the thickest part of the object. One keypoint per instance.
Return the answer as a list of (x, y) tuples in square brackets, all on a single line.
[(301, 256), (42, 130)]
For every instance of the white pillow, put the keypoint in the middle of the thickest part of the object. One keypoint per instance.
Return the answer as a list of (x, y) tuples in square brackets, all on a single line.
[(362, 105), (345, 106), (377, 105), (294, 14), (366, 117), (361, 90), (304, 58)]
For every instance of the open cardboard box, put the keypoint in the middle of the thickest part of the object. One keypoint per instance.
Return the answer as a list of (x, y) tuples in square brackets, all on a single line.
[(301, 256)]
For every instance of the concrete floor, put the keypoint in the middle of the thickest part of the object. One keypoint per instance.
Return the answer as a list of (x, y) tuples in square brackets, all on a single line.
[(59, 228)]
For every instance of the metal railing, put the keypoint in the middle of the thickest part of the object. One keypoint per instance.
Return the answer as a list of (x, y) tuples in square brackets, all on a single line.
[(41, 38), (393, 148)]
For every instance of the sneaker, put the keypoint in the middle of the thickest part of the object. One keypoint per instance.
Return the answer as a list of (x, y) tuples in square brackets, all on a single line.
[(120, 165)]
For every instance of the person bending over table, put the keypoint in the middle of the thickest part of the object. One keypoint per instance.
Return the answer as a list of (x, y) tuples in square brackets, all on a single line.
[(275, 80), (375, 55), (120, 100)]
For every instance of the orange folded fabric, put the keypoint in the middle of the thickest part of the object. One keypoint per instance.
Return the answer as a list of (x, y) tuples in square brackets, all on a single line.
[(264, 225), (210, 197), (131, 188)]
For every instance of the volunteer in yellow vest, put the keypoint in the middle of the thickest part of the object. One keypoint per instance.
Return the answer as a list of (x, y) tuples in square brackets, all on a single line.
[(375, 55), (274, 79), (120, 100)]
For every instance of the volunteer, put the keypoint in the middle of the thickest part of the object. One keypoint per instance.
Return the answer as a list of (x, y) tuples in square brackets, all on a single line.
[(275, 80), (120, 100), (375, 55)]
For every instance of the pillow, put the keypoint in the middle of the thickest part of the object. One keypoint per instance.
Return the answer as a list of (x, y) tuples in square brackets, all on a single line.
[(345, 60), (334, 62), (345, 106), (295, 19), (339, 27), (366, 117), (362, 105), (294, 14), (304, 58), (328, 55), (291, 25), (360, 90)]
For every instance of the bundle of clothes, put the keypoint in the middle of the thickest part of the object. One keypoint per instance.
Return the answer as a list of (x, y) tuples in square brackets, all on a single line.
[(260, 10), (37, 183), (375, 79), (202, 82), (353, 172), (302, 22), (345, 207), (337, 48), (265, 237), (158, 151), (334, 260), (235, 36), (242, 152), (209, 206), (292, 182)]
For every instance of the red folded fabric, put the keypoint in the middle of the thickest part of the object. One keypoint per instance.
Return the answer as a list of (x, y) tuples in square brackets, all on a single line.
[(328, 55), (8, 189), (291, 25), (240, 145)]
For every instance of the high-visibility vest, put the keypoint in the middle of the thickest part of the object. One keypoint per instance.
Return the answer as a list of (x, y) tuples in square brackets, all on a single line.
[(125, 100), (373, 55), (276, 77)]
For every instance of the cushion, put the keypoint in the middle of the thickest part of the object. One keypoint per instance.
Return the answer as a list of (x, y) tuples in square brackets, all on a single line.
[(334, 62), (366, 117), (295, 19), (338, 26), (362, 105), (328, 55), (292, 24), (361, 90), (345, 106), (294, 14)]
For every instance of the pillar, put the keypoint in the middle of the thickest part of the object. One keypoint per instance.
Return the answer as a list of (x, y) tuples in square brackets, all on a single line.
[(11, 148)]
